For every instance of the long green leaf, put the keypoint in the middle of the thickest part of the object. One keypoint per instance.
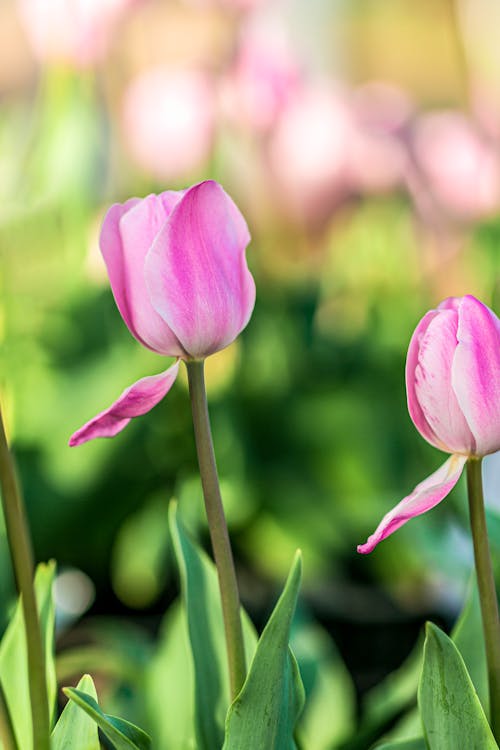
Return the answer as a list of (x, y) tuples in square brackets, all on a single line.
[(14, 661), (451, 712), (169, 685), (468, 637), (121, 733), (265, 712), (75, 729), (201, 596), (416, 743)]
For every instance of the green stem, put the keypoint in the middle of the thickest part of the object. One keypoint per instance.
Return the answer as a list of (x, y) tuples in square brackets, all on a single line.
[(22, 562), (221, 545), (486, 585)]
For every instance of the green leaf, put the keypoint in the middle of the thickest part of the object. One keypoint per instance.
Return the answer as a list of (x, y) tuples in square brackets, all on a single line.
[(14, 660), (265, 712), (121, 733), (416, 743), (330, 707), (451, 712), (75, 730), (169, 685), (468, 637), (201, 596)]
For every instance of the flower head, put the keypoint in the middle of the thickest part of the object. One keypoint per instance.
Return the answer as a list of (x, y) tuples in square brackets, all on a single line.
[(178, 272), (453, 388)]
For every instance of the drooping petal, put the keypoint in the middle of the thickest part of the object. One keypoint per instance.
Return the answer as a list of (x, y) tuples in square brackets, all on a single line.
[(127, 234), (197, 273), (136, 400), (476, 372), (425, 496), (433, 387)]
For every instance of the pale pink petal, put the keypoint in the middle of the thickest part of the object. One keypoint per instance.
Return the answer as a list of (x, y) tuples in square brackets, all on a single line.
[(414, 407), (197, 273), (425, 496), (476, 372), (433, 387), (136, 400), (127, 234)]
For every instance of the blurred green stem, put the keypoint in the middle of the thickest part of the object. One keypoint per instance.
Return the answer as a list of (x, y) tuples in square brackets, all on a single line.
[(217, 526), (486, 585), (22, 562)]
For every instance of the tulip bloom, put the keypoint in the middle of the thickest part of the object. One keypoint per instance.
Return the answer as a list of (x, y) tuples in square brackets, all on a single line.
[(179, 276), (453, 388), (168, 119), (77, 32)]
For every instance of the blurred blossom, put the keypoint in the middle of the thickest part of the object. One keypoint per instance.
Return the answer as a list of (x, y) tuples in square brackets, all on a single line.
[(377, 157), (235, 5), (169, 121), (459, 165), (78, 32), (309, 151), (261, 81)]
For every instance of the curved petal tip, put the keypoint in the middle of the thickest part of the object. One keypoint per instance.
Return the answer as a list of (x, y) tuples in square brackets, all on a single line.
[(425, 496), (136, 400)]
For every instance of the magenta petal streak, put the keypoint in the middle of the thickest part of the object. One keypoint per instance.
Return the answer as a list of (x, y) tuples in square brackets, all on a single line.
[(425, 496), (136, 400)]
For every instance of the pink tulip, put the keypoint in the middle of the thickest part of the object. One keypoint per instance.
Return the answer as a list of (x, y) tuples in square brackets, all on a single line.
[(453, 387), (74, 31), (459, 165), (261, 81), (309, 150), (177, 268), (377, 154), (168, 119)]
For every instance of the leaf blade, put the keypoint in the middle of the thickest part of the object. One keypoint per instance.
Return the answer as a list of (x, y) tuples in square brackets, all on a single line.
[(451, 712)]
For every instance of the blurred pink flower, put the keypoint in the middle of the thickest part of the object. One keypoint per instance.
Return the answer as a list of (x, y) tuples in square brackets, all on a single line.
[(261, 81), (308, 150), (168, 118), (177, 268), (377, 157), (453, 388), (72, 31), (460, 166)]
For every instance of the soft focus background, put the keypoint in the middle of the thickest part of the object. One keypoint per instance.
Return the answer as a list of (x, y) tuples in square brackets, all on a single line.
[(361, 140)]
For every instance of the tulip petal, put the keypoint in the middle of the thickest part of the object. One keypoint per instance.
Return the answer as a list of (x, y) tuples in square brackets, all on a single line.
[(425, 496), (414, 407), (476, 372), (197, 273), (136, 400), (433, 387), (128, 231)]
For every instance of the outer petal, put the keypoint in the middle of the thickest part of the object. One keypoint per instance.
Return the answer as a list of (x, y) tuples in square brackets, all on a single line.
[(476, 372), (128, 231), (136, 400), (425, 496), (197, 273), (414, 407), (433, 386)]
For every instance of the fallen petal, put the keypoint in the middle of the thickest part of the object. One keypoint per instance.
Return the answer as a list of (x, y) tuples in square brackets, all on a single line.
[(425, 496), (136, 400)]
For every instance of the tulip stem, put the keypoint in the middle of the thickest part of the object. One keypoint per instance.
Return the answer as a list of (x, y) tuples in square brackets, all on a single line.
[(486, 585), (219, 535), (23, 566)]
